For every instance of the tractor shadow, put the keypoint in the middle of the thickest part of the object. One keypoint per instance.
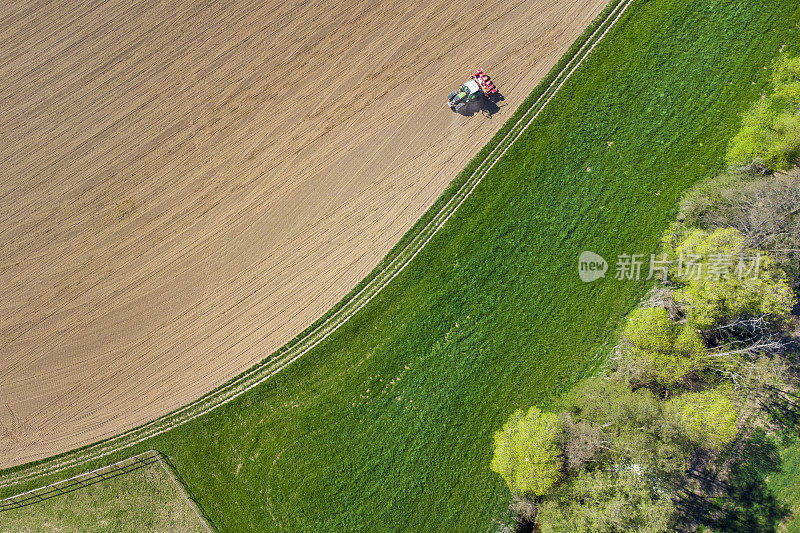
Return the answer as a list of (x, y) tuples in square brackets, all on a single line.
[(486, 106)]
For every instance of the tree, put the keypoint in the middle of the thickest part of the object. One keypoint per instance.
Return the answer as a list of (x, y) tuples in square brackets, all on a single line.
[(611, 404), (710, 300), (658, 349), (770, 133), (634, 428), (766, 210), (527, 452), (708, 416), (770, 136), (618, 499), (583, 441)]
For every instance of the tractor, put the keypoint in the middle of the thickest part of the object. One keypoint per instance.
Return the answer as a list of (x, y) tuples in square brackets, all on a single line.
[(479, 85)]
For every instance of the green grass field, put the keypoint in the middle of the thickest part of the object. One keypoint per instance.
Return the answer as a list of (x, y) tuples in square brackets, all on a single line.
[(142, 500), (388, 424)]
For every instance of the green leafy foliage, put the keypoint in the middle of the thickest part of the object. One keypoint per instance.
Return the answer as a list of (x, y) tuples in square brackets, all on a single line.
[(635, 428), (763, 208), (761, 289), (786, 77), (651, 330), (606, 502), (770, 136), (664, 351), (611, 403), (770, 133), (709, 417), (527, 452)]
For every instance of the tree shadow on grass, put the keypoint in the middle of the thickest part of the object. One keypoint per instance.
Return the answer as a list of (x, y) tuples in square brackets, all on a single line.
[(742, 502), (784, 411)]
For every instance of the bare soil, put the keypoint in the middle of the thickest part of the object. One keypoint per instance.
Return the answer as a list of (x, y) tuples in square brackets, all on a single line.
[(186, 185)]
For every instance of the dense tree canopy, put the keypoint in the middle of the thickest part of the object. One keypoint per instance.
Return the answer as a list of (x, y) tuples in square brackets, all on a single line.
[(753, 285), (664, 350), (635, 429), (765, 209), (527, 452), (608, 501), (708, 416), (770, 134)]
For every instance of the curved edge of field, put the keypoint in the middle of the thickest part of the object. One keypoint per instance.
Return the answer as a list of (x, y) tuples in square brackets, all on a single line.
[(394, 262)]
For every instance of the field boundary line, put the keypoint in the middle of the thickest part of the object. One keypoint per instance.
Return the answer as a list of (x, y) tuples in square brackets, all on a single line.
[(183, 492), (98, 475), (79, 481), (315, 335)]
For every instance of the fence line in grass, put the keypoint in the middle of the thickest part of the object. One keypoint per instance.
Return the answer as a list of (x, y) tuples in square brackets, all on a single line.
[(80, 481)]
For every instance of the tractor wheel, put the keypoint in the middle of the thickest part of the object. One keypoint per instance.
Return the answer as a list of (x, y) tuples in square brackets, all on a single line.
[(451, 95), (460, 107)]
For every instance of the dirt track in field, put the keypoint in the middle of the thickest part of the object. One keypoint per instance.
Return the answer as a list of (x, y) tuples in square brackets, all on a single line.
[(184, 186)]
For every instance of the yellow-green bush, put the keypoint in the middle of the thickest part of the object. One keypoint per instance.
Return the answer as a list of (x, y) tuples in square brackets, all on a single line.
[(713, 300), (667, 351)]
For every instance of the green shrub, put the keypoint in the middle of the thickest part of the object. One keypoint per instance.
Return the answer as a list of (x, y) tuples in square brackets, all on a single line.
[(611, 404), (660, 349), (763, 209), (609, 501), (651, 330), (635, 430)]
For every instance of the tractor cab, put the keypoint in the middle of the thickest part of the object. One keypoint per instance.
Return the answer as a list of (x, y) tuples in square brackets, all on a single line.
[(471, 88)]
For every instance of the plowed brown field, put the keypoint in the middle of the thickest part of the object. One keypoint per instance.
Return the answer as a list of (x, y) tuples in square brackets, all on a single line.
[(186, 185)]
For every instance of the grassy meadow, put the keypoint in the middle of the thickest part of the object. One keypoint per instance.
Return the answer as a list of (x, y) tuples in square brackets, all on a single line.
[(785, 485)]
